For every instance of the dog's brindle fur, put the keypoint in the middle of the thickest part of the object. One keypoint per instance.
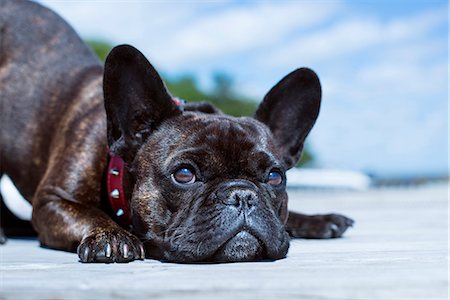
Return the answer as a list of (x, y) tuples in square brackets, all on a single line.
[(60, 110)]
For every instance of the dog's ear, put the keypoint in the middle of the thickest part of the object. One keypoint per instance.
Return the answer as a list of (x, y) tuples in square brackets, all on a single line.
[(290, 110), (136, 100)]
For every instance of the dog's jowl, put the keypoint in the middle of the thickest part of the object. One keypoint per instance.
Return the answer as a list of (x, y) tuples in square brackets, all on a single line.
[(196, 185)]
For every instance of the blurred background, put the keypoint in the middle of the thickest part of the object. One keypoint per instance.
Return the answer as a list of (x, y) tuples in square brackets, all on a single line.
[(383, 67)]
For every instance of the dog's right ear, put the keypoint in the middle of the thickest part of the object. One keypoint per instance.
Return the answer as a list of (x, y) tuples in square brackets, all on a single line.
[(136, 100), (290, 110)]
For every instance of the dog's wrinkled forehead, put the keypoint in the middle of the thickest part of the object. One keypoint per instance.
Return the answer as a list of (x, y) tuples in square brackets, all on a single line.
[(218, 140)]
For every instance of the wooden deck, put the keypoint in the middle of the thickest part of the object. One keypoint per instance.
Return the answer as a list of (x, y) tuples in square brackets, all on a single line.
[(398, 249)]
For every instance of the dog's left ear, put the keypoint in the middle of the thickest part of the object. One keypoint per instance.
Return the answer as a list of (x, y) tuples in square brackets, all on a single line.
[(136, 100), (290, 110)]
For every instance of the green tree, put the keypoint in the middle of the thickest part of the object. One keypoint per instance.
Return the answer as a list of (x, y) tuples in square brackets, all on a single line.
[(185, 87), (307, 159), (223, 87), (100, 47)]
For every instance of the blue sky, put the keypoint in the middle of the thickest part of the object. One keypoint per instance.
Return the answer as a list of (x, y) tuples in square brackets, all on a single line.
[(383, 65)]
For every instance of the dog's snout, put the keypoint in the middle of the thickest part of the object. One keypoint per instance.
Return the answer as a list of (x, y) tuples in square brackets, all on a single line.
[(238, 193)]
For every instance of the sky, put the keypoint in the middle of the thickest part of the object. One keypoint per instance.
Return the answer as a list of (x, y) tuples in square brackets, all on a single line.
[(383, 65)]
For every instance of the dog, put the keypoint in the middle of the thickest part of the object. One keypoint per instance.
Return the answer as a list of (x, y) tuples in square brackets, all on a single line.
[(195, 185)]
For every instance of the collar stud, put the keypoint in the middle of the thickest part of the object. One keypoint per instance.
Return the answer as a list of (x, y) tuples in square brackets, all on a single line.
[(115, 193)]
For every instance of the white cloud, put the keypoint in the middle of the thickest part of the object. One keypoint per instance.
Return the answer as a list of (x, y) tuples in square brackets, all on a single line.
[(403, 79), (145, 25), (179, 34), (352, 35), (244, 28)]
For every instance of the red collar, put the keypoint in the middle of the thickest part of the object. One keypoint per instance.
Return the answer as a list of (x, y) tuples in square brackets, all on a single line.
[(114, 183), (114, 187)]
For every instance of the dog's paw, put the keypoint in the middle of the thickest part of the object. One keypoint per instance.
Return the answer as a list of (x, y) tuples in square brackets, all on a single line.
[(321, 226), (107, 247)]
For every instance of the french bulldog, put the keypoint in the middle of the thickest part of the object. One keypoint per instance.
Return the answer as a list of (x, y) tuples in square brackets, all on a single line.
[(201, 186)]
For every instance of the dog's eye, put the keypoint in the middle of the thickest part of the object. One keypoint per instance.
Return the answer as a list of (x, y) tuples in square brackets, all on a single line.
[(184, 176), (274, 178)]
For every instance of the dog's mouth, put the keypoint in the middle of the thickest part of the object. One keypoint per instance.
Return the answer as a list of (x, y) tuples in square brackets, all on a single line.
[(241, 242), (244, 246)]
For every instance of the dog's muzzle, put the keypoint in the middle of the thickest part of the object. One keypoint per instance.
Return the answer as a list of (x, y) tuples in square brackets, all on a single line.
[(248, 242)]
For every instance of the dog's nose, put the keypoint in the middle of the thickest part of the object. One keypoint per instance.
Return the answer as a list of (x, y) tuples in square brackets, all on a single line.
[(238, 193)]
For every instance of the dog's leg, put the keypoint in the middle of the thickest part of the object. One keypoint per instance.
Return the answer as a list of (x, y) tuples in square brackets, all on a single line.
[(65, 224), (66, 211), (67, 220), (317, 226)]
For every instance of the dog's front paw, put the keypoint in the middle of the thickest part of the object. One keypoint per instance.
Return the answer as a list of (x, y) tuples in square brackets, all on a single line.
[(110, 246), (318, 226)]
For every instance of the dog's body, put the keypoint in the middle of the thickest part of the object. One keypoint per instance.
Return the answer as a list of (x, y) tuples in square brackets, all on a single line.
[(202, 186)]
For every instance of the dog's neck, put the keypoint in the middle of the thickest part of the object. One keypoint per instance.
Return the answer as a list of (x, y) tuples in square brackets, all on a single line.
[(116, 183)]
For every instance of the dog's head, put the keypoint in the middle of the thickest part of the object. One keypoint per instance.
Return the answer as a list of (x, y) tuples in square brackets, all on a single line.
[(206, 186)]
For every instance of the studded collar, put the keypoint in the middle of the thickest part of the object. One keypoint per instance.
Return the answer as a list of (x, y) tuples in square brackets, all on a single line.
[(114, 183)]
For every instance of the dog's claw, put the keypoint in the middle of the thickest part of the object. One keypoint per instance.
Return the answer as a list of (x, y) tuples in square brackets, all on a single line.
[(334, 228), (108, 250), (125, 251), (85, 255), (339, 224), (349, 222), (142, 252)]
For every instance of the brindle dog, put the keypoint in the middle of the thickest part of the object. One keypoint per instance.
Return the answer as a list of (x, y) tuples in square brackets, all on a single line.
[(202, 186)]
